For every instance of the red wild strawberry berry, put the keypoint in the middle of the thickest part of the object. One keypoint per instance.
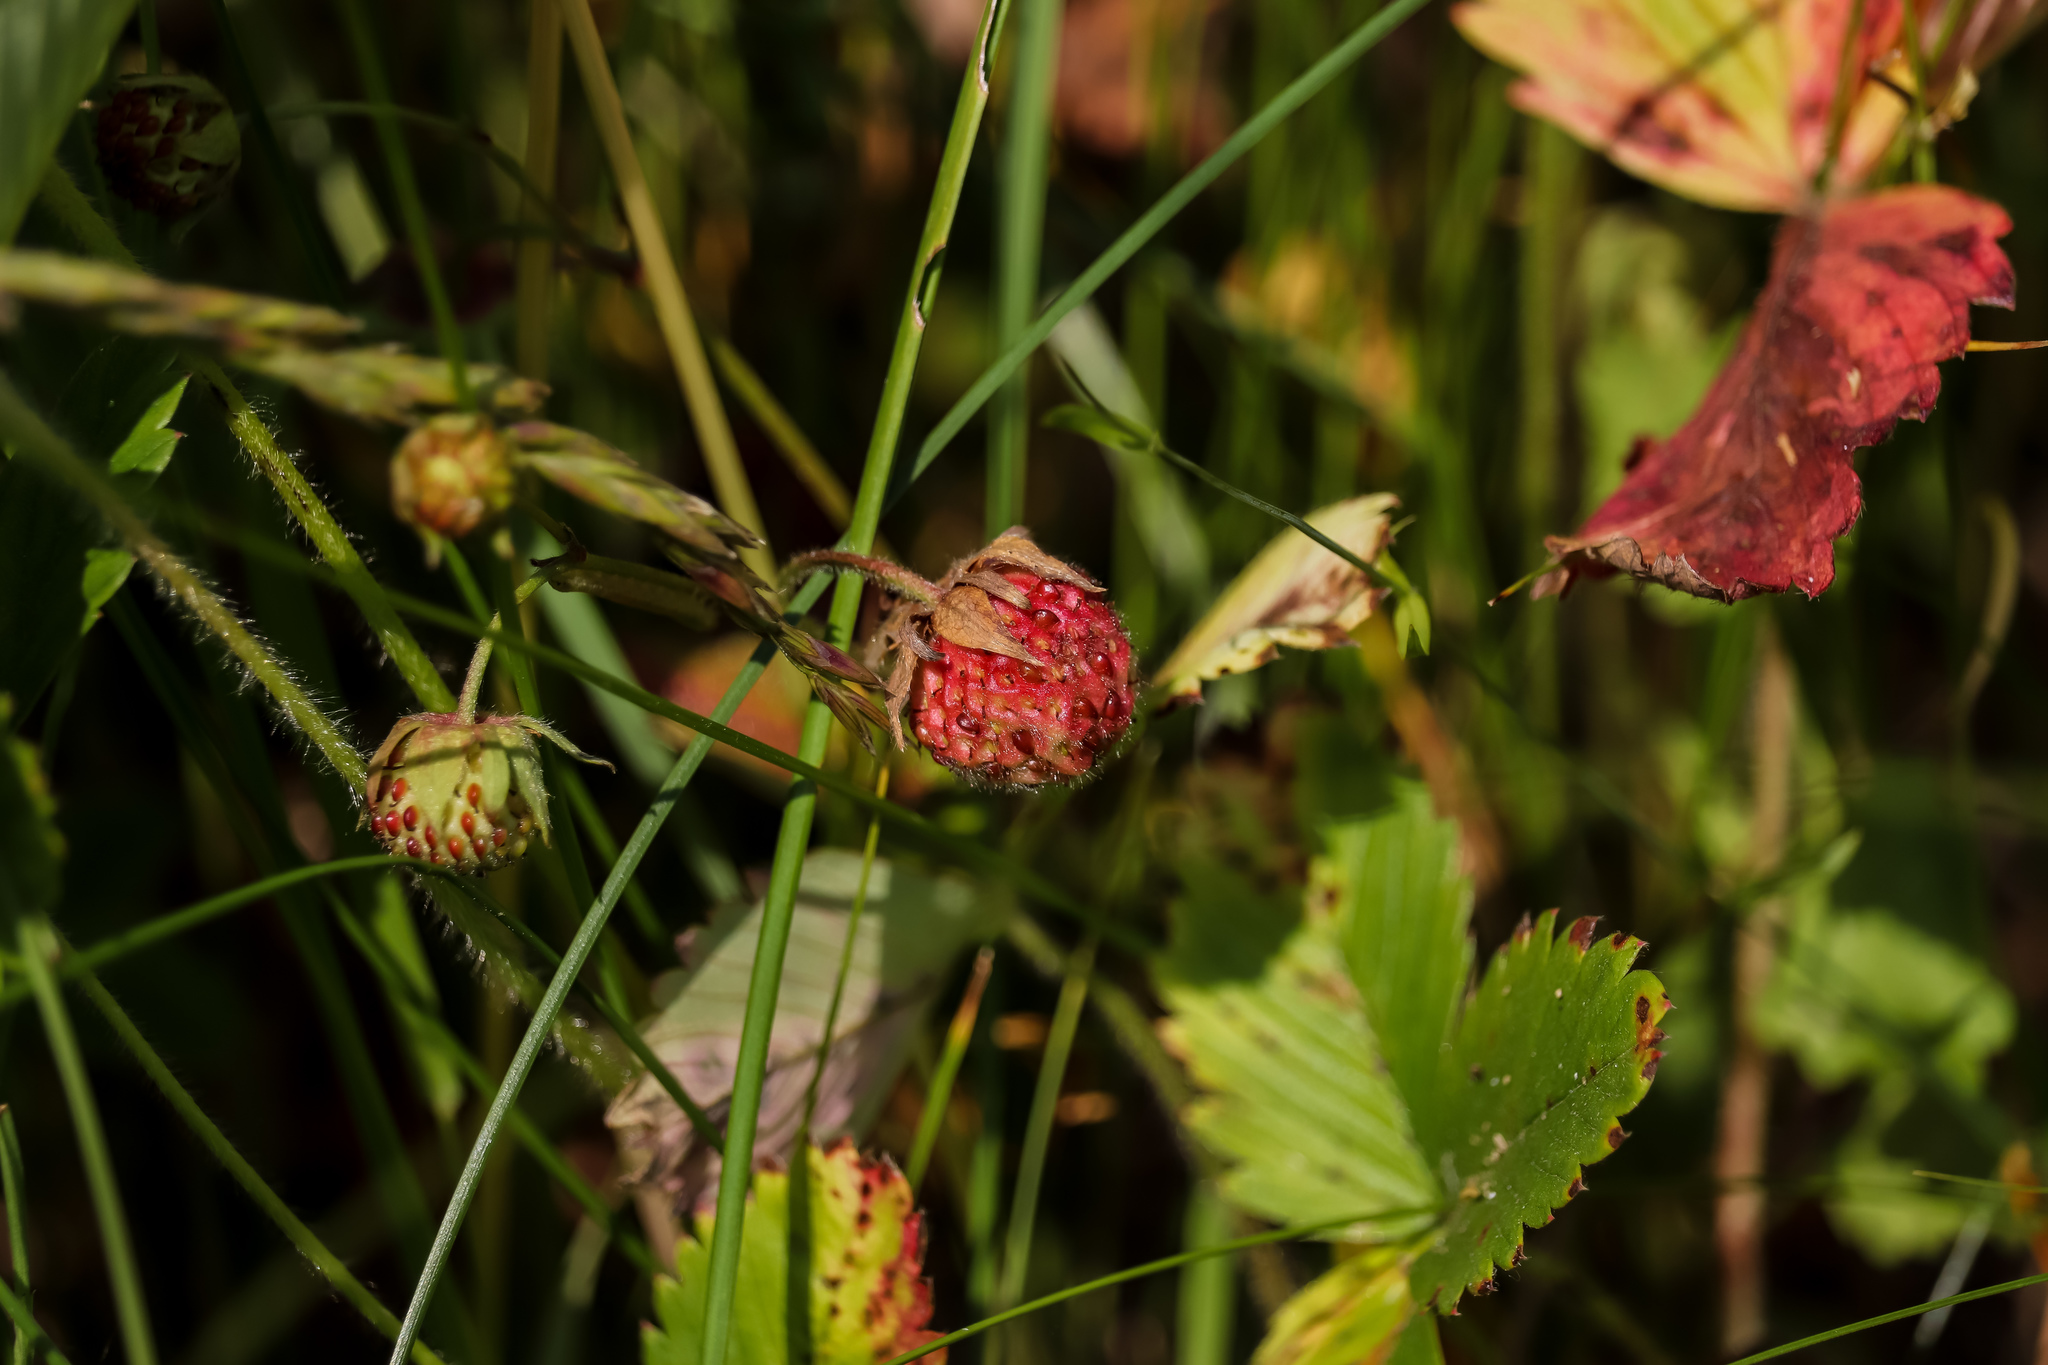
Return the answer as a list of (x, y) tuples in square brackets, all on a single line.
[(1013, 669)]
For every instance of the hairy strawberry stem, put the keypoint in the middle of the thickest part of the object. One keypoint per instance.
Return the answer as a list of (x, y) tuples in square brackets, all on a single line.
[(882, 573)]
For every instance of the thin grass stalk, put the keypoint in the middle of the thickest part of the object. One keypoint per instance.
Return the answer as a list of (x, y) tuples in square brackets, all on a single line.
[(1206, 1303), (1303, 88), (707, 1130), (665, 284), (327, 1263), (1882, 1319), (939, 1093), (533, 289), (846, 950), (1020, 229), (544, 1152), (38, 944), (312, 240), (74, 965), (37, 442), (27, 1330), (542, 1023), (1175, 1262), (1045, 1099), (405, 188), (584, 807), (12, 1187), (783, 433), (61, 195), (764, 987), (260, 830)]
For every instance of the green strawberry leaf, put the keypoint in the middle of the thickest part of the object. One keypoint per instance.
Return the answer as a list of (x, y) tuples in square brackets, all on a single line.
[(1353, 1312), (148, 447), (1405, 912), (869, 1299), (1556, 1044), (1295, 1096)]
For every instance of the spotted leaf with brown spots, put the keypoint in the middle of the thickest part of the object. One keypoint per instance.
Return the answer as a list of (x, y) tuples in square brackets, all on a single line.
[(1558, 1041), (869, 1299)]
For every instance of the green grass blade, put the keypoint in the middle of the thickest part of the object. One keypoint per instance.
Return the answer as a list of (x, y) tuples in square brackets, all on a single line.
[(405, 187), (750, 1068), (1045, 1098), (1020, 228), (11, 1188), (330, 1266), (1175, 1262), (1900, 1315), (938, 1095), (860, 905), (77, 964), (28, 1335), (37, 942), (542, 1023), (1304, 87), (707, 1129), (544, 1152), (1207, 1299)]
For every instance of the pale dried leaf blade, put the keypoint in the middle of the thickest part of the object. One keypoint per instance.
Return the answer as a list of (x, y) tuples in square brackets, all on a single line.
[(386, 384), (131, 301), (965, 617), (1294, 593)]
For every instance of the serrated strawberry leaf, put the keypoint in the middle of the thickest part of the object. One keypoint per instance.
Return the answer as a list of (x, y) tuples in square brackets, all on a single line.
[(869, 1299), (1863, 301), (1294, 1093), (1558, 1041)]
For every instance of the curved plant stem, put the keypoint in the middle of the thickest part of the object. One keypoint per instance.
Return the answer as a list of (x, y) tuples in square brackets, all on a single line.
[(309, 1245), (62, 196), (534, 271), (544, 1152), (406, 189), (1139, 1272), (78, 963), (28, 1334), (1836, 1333), (542, 1023), (846, 949), (750, 1068), (665, 284), (37, 942), (11, 1188), (39, 443), (1045, 1098), (712, 730), (1303, 88), (1020, 226), (152, 48), (940, 1092)]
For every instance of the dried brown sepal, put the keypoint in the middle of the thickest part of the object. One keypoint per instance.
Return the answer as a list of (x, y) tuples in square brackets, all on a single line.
[(965, 617)]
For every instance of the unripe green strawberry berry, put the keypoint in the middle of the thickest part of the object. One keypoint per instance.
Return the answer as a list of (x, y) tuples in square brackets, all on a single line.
[(451, 474), (468, 794), (168, 144)]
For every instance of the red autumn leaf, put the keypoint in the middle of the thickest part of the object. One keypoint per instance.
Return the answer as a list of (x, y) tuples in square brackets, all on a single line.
[(1863, 300)]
